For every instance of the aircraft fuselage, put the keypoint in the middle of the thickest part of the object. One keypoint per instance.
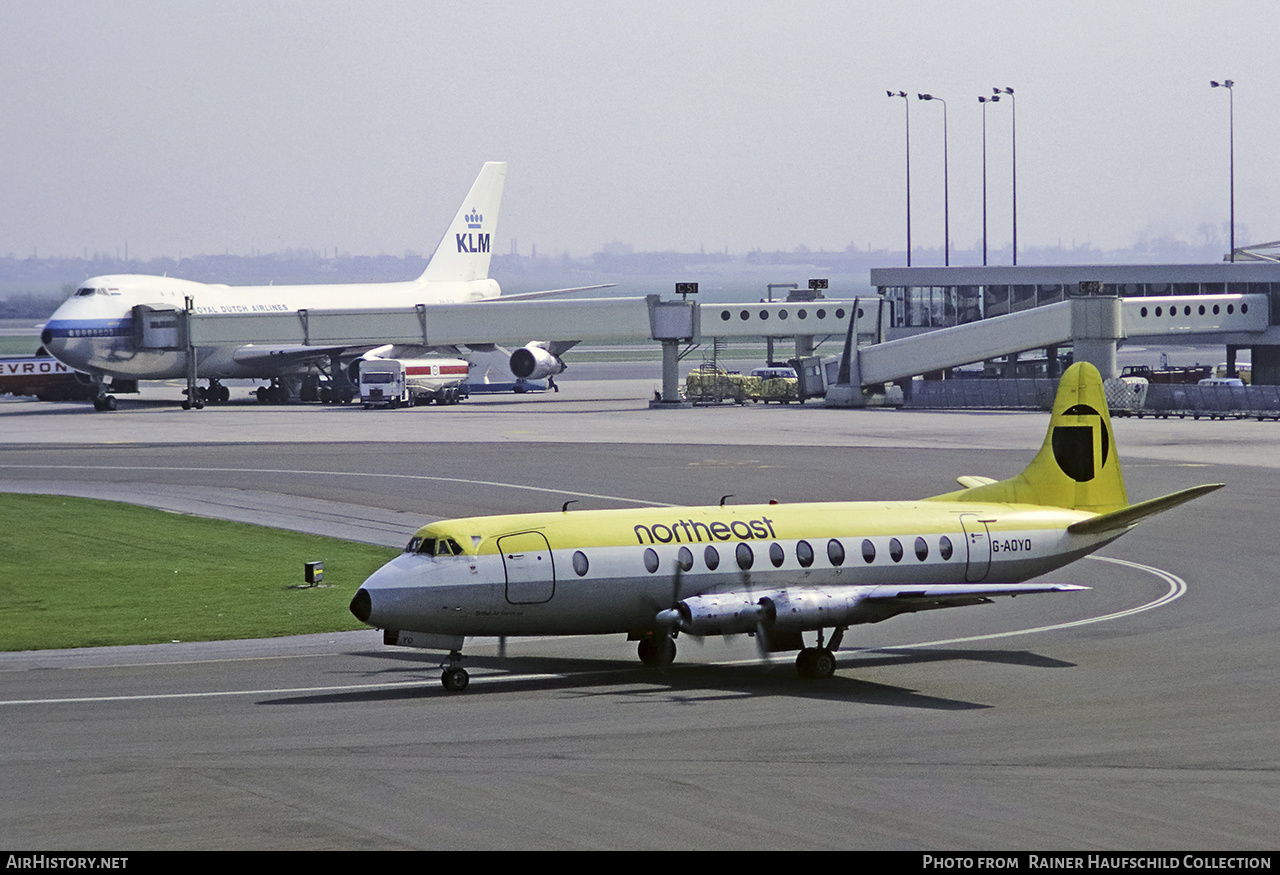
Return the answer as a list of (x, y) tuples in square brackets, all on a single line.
[(544, 574), (97, 330)]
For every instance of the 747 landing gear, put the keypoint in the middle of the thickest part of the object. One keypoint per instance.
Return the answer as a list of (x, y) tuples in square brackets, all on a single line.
[(453, 675), (102, 399)]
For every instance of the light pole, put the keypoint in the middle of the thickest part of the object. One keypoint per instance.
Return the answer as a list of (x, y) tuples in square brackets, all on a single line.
[(984, 101), (1014, 111), (946, 185), (906, 102), (1231, 100)]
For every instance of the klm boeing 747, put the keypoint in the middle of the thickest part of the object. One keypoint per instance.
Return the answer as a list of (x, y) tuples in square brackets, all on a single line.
[(774, 571), (126, 328)]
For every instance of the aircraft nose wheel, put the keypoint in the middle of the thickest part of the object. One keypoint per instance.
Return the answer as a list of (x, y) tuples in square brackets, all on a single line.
[(816, 662), (455, 680), (454, 676)]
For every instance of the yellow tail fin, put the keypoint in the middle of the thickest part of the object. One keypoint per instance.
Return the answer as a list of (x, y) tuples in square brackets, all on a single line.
[(1077, 466)]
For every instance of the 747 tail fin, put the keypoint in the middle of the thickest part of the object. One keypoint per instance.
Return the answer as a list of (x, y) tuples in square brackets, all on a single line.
[(463, 255)]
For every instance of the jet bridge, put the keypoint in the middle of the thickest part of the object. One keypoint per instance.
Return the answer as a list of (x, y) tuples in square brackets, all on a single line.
[(1093, 325), (496, 321)]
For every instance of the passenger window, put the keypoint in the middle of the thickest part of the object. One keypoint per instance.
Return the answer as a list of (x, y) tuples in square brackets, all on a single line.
[(944, 547), (580, 564), (776, 555), (712, 558), (868, 551), (684, 559), (895, 549), (804, 554), (745, 557), (835, 552), (922, 549), (650, 560)]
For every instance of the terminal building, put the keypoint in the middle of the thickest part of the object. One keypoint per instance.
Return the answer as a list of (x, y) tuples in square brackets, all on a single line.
[(925, 299)]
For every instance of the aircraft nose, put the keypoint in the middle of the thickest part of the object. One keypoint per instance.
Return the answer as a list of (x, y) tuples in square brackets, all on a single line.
[(362, 605)]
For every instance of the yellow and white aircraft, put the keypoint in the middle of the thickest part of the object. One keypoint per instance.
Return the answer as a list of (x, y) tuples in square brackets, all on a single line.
[(775, 570), (127, 328)]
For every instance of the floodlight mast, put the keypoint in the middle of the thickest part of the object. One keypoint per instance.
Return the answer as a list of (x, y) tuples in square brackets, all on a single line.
[(1014, 118), (1231, 100), (946, 184), (907, 103), (984, 101)]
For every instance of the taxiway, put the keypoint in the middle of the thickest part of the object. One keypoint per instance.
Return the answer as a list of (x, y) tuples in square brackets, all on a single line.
[(1138, 715)]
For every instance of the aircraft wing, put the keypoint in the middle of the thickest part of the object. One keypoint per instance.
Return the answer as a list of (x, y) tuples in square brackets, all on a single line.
[(287, 357), (891, 600), (529, 296)]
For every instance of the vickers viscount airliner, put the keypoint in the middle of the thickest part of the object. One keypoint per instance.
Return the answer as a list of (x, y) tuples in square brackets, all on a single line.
[(774, 571)]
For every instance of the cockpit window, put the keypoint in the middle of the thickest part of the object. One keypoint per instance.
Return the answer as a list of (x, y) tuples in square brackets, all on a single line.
[(433, 546), (85, 292)]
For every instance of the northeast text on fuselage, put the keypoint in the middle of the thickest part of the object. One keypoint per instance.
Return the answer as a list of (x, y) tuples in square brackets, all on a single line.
[(694, 532)]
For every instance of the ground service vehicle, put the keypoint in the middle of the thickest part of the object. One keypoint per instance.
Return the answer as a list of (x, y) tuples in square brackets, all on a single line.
[(405, 382)]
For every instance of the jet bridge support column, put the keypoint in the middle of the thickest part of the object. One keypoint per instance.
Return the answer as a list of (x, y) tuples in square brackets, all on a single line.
[(847, 390), (193, 401), (1096, 329), (671, 322)]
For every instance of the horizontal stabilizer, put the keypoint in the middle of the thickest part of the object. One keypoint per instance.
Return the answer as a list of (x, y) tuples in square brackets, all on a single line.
[(969, 481), (1123, 519)]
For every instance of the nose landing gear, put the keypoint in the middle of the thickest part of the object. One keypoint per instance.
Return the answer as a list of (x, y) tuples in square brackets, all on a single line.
[(453, 675)]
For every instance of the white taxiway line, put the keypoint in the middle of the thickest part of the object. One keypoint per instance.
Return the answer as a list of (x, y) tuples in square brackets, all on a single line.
[(422, 477), (1177, 589)]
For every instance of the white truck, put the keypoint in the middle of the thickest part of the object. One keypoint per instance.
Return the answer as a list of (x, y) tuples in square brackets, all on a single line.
[(405, 382)]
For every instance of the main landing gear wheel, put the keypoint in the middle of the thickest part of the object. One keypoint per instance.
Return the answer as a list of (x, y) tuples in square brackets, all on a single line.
[(657, 652), (816, 662)]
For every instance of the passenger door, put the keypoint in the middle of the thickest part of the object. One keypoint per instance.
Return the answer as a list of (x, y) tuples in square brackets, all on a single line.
[(977, 539), (531, 574)]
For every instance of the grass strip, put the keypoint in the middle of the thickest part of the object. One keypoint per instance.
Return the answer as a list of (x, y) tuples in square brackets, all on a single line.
[(79, 572)]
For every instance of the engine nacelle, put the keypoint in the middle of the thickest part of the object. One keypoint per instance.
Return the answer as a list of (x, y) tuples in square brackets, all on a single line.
[(799, 609), (533, 362), (719, 614), (817, 608)]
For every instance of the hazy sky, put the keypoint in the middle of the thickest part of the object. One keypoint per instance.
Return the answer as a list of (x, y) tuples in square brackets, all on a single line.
[(193, 127)]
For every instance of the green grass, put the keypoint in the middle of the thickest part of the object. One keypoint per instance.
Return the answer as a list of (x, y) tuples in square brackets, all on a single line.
[(19, 345), (79, 572)]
